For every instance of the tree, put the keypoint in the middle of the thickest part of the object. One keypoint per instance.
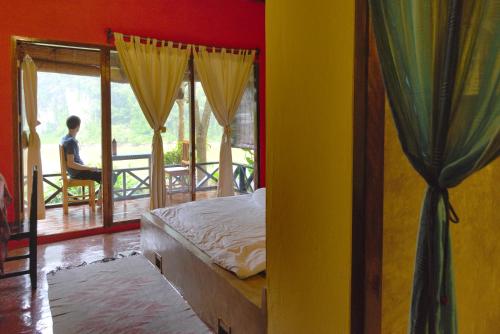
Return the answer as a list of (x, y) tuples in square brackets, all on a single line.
[(181, 101), (202, 124), (180, 104)]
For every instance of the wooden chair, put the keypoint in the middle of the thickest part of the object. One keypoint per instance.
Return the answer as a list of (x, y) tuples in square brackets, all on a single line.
[(69, 183), (26, 229), (179, 172)]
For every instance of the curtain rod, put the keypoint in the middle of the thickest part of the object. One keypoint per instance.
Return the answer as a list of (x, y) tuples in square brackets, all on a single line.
[(110, 38)]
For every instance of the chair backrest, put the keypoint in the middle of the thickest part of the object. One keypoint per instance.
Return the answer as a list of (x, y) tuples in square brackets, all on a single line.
[(185, 153), (62, 158), (5, 199)]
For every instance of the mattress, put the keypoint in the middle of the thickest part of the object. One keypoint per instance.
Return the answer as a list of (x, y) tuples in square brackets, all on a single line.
[(230, 230)]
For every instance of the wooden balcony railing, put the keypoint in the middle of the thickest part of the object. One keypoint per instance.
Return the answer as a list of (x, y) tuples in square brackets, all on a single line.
[(133, 182)]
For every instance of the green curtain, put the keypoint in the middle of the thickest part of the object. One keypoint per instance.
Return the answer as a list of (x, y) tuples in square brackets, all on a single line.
[(440, 61)]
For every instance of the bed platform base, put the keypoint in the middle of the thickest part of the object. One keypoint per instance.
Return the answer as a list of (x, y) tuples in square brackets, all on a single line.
[(224, 302)]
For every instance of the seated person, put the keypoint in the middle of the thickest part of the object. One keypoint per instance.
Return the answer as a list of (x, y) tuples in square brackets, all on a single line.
[(75, 165)]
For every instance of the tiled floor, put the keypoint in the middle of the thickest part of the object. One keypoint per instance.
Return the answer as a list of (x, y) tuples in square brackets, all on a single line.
[(24, 311)]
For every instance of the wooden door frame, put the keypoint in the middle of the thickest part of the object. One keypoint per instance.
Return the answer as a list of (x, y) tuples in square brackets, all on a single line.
[(16, 121), (106, 135), (368, 179), (107, 163), (16, 125)]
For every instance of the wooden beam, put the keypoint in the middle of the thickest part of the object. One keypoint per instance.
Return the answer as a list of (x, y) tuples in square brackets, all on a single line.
[(192, 117), (60, 54), (368, 178), (374, 195), (257, 151), (65, 60), (117, 75), (107, 165), (17, 162)]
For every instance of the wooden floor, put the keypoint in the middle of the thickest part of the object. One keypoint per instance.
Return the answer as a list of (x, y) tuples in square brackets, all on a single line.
[(82, 218), (24, 311)]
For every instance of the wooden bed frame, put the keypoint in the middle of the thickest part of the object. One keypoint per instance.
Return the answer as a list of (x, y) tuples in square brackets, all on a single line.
[(224, 302)]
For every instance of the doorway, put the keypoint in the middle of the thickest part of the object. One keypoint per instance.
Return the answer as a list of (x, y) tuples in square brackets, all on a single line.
[(68, 83), (88, 81)]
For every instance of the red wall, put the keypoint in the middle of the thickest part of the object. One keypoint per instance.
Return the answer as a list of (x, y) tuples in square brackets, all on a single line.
[(233, 23)]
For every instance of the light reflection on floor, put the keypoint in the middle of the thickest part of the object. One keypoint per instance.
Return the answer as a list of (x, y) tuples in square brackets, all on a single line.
[(24, 311)]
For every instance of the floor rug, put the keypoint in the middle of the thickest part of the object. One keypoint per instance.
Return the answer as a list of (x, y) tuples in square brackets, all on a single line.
[(126, 295)]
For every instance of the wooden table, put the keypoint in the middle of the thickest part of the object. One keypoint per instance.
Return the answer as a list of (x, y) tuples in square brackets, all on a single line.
[(176, 173)]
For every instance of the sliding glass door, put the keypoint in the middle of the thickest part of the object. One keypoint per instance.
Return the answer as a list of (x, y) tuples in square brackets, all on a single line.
[(244, 140), (131, 148), (69, 83), (208, 141), (89, 82), (177, 147)]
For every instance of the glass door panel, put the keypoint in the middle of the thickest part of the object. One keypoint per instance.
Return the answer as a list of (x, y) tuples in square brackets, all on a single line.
[(131, 148), (23, 141), (69, 83), (59, 96), (208, 140), (177, 147), (244, 140), (208, 135)]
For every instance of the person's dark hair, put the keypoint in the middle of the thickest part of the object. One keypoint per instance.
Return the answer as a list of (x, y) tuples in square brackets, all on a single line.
[(73, 122)]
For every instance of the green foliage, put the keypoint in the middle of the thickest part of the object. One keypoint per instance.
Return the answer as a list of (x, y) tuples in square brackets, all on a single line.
[(130, 184), (61, 95), (249, 156), (174, 156)]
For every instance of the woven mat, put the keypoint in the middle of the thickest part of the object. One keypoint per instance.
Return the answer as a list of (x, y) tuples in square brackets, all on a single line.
[(126, 295)]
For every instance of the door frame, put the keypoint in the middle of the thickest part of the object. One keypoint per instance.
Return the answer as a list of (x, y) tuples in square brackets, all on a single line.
[(17, 122), (16, 130), (368, 179)]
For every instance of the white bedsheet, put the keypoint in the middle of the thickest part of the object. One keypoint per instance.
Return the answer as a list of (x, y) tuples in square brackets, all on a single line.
[(231, 230)]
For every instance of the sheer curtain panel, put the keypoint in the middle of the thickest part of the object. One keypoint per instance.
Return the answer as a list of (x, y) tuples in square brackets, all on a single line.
[(155, 71), (441, 67), (224, 76), (34, 157)]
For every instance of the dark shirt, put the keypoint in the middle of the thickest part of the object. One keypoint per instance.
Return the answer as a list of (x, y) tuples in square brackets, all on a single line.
[(70, 146)]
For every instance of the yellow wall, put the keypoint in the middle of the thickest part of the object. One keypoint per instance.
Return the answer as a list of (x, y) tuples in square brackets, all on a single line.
[(309, 62), (475, 242)]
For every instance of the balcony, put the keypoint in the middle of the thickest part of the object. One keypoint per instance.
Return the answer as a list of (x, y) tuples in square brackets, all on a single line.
[(131, 194)]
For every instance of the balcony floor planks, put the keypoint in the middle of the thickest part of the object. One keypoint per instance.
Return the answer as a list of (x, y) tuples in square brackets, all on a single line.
[(82, 218)]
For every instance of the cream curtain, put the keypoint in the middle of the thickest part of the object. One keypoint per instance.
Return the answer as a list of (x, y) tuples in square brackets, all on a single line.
[(155, 73), (224, 76), (34, 156)]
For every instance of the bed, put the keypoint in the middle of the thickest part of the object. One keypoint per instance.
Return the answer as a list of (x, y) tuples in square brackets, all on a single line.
[(213, 252)]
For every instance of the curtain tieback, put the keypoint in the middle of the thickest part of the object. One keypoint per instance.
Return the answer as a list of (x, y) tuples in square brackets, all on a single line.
[(452, 216), (24, 139), (227, 132), (161, 129)]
